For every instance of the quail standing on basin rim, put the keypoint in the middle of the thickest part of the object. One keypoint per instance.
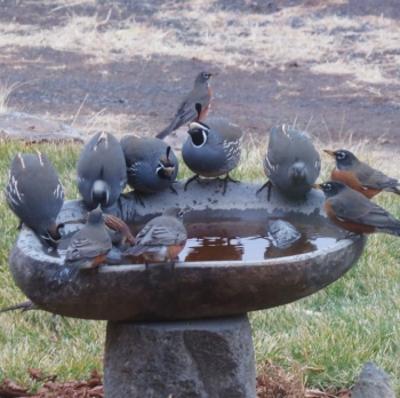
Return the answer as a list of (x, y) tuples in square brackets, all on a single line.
[(360, 176), (212, 149), (292, 164), (151, 164), (194, 107), (101, 171), (34, 193), (89, 246), (161, 239), (354, 212)]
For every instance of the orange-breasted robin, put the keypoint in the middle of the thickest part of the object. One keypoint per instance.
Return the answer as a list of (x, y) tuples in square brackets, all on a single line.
[(89, 246), (35, 195), (194, 107), (292, 164), (354, 212), (101, 171), (360, 176), (161, 239)]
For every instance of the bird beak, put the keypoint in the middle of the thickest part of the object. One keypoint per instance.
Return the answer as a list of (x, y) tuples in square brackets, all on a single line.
[(169, 171), (332, 153), (316, 186)]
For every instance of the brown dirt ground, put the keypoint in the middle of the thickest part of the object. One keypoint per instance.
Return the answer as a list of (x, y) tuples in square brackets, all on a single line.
[(144, 90)]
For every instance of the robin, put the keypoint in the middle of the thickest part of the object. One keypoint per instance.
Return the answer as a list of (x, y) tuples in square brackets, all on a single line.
[(194, 107), (89, 246), (360, 176), (35, 194), (122, 234), (151, 164), (212, 149), (292, 164), (354, 212), (101, 171), (161, 239)]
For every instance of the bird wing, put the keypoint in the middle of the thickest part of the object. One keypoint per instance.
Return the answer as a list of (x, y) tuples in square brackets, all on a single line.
[(372, 178), (83, 247), (354, 207)]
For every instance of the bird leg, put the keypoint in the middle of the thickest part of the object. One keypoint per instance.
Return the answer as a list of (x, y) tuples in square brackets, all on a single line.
[(268, 185), (191, 179), (225, 181), (173, 190), (138, 198)]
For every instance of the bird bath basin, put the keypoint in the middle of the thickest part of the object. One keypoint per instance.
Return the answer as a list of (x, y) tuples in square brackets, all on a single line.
[(174, 298)]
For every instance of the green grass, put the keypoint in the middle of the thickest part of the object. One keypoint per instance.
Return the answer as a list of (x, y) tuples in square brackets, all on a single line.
[(329, 335)]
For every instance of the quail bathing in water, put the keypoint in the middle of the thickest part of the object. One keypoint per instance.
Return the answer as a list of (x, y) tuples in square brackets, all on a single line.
[(151, 164), (34, 193), (194, 107), (212, 149), (89, 246), (354, 212), (360, 176), (292, 164), (161, 239), (101, 171)]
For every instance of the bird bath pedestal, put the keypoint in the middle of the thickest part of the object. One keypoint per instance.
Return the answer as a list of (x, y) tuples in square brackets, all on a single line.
[(183, 331)]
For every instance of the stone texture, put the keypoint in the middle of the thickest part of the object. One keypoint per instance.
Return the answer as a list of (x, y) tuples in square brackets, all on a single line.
[(31, 128), (194, 359), (372, 383)]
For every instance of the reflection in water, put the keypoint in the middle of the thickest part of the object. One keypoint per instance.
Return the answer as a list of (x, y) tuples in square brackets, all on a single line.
[(243, 235)]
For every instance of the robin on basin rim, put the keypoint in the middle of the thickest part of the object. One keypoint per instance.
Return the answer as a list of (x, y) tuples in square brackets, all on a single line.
[(35, 195), (89, 246), (292, 164), (360, 176), (354, 212), (212, 149), (151, 164), (161, 239), (101, 171), (194, 107)]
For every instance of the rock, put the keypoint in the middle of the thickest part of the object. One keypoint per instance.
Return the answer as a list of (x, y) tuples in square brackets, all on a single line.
[(282, 234), (372, 383), (31, 128), (196, 359)]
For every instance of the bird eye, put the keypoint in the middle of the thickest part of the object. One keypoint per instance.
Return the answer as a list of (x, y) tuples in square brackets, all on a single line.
[(340, 155)]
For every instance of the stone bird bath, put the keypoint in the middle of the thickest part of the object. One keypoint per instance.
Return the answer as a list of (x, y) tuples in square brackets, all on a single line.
[(183, 331)]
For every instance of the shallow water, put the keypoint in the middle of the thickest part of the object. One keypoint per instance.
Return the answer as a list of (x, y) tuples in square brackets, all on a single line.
[(224, 235)]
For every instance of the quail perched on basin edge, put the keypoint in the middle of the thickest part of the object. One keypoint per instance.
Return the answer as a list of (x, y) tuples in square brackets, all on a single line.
[(360, 176), (194, 107), (212, 149), (89, 246), (161, 239), (101, 171), (151, 164), (292, 164), (354, 212), (34, 193)]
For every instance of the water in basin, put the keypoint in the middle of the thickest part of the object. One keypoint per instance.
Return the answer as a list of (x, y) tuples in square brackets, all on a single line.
[(243, 235)]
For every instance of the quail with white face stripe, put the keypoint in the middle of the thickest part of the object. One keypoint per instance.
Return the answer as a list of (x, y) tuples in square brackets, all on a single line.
[(101, 171), (212, 149), (151, 164), (292, 164), (35, 194)]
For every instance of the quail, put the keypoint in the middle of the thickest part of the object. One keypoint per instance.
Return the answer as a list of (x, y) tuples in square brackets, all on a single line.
[(360, 176), (89, 246), (101, 171), (292, 164), (35, 194), (354, 212), (212, 149), (161, 239), (151, 164), (194, 107)]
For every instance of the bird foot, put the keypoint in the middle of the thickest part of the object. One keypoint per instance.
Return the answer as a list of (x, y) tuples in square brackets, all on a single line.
[(268, 185), (138, 198), (225, 181), (196, 177), (173, 190)]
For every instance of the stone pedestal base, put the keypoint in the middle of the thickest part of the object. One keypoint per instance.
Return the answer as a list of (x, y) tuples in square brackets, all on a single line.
[(186, 359)]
